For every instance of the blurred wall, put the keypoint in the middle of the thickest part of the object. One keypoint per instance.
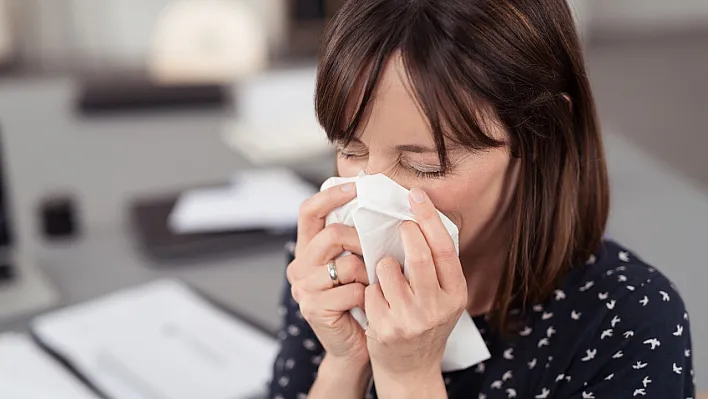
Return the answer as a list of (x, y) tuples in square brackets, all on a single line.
[(72, 33), (649, 15)]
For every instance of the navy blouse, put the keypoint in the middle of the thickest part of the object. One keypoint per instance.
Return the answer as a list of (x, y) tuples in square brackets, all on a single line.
[(617, 328)]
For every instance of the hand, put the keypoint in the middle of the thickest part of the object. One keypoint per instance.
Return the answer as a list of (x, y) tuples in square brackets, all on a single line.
[(325, 307), (409, 323)]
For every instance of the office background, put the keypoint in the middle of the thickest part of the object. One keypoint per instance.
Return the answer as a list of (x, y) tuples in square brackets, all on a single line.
[(647, 61)]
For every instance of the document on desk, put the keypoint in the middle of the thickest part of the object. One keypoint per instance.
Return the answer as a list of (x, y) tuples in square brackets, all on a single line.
[(160, 341), (27, 372), (255, 199)]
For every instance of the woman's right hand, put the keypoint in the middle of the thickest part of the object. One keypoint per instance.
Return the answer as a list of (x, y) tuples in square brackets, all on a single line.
[(324, 306)]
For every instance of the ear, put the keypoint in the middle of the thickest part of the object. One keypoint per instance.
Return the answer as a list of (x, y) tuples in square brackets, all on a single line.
[(568, 100)]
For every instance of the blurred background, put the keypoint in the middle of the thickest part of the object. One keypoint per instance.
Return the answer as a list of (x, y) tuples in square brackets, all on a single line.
[(131, 129)]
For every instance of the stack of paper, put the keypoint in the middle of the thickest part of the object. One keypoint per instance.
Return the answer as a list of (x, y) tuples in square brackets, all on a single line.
[(160, 341), (256, 199), (26, 372)]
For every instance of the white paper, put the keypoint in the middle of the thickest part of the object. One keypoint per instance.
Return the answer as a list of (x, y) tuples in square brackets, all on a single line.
[(160, 341), (380, 207), (26, 372), (256, 199)]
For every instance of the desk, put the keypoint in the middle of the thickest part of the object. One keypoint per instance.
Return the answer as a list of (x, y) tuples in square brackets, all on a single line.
[(106, 162)]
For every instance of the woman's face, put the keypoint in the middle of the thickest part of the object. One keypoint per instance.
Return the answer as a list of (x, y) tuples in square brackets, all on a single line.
[(397, 141)]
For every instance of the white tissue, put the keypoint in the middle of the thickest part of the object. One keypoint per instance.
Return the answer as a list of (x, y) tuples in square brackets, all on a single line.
[(380, 207)]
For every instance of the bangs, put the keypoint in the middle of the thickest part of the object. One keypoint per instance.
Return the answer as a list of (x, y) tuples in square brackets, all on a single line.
[(445, 86)]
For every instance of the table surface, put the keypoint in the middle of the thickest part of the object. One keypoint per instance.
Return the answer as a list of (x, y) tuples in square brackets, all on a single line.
[(106, 162)]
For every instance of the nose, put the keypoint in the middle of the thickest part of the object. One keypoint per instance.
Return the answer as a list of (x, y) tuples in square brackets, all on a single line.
[(389, 171)]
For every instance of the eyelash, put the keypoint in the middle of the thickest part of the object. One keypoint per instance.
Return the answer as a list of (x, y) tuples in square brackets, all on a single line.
[(418, 173)]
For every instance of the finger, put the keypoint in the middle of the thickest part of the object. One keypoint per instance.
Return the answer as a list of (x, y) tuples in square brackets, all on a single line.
[(339, 299), (350, 269), (395, 288), (325, 246), (445, 258), (419, 260), (312, 214), (375, 305)]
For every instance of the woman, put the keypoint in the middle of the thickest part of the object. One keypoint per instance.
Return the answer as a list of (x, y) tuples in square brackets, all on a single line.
[(483, 109)]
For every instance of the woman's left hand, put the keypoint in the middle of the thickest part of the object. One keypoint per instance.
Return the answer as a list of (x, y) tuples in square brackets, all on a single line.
[(409, 323)]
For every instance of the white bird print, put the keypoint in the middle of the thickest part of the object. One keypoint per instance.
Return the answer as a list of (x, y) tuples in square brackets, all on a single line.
[(575, 315), (538, 308), (509, 354), (559, 295), (544, 394), (309, 344), (507, 376), (603, 295), (479, 369), (646, 381), (664, 296), (550, 331), (526, 332), (590, 354), (687, 353), (610, 272), (497, 384), (639, 365), (631, 288), (543, 342), (614, 321), (621, 269), (606, 333), (628, 333), (560, 377), (546, 316), (591, 260), (621, 278), (677, 369), (679, 330), (644, 301), (588, 395), (587, 286), (532, 363), (610, 304), (482, 396), (653, 342), (639, 391), (624, 256), (685, 315), (609, 377), (511, 393), (618, 355)]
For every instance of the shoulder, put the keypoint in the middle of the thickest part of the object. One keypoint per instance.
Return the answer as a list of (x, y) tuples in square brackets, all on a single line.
[(635, 325), (621, 280)]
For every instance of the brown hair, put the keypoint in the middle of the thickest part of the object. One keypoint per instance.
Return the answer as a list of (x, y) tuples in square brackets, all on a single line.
[(518, 59)]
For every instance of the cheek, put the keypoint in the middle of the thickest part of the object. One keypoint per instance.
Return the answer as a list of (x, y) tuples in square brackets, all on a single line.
[(473, 200), (348, 167)]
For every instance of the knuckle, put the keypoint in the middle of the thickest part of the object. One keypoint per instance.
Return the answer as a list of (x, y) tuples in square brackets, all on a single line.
[(334, 232), (419, 257), (295, 293), (307, 207), (447, 252)]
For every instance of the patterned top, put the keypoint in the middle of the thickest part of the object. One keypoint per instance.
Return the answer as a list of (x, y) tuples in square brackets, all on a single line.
[(617, 328)]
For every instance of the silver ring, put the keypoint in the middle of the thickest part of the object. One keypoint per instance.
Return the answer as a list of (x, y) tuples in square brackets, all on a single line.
[(332, 270)]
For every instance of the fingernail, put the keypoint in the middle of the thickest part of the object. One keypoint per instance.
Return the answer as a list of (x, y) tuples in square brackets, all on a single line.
[(417, 195), (349, 187)]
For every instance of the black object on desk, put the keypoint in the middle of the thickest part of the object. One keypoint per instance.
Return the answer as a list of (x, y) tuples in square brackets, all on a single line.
[(149, 222), (137, 92), (58, 215), (7, 267)]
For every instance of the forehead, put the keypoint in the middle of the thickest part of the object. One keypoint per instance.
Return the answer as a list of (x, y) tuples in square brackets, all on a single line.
[(395, 116)]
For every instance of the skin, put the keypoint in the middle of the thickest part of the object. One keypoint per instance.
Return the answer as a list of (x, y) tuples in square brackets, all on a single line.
[(409, 321)]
